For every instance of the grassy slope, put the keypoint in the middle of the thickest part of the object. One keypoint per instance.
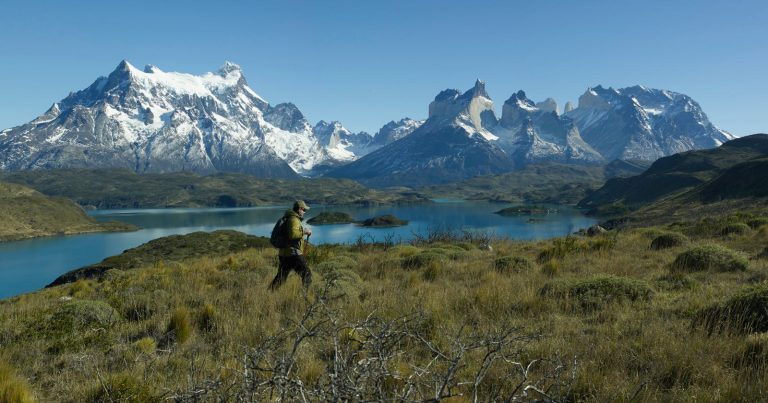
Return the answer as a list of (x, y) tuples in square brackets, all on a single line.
[(187, 325), (734, 170), (25, 213), (124, 189)]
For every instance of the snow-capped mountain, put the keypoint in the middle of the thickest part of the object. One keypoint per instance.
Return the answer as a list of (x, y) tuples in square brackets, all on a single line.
[(642, 123), (341, 144), (394, 131), (155, 121), (454, 143), (536, 132)]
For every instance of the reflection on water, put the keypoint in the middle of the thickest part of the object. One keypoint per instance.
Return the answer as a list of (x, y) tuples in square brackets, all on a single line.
[(31, 264)]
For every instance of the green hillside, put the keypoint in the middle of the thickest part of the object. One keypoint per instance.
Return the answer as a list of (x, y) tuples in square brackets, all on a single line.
[(735, 170), (113, 188), (25, 213)]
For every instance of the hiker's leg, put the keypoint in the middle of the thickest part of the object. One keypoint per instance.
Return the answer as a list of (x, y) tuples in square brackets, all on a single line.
[(300, 265), (283, 269)]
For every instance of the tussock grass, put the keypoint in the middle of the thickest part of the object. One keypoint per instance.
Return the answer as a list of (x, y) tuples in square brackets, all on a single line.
[(746, 312), (753, 353), (12, 388), (180, 325), (709, 257), (757, 222), (735, 229)]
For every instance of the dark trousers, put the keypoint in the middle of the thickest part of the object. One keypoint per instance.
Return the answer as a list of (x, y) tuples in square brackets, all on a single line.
[(288, 263)]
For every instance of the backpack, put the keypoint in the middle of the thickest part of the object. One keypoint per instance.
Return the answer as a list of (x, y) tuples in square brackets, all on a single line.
[(279, 237)]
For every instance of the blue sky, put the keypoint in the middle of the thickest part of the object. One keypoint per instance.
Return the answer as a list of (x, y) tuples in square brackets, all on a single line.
[(365, 63)]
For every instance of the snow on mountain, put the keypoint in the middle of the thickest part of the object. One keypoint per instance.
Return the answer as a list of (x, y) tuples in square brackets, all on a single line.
[(642, 123), (532, 132), (154, 121), (394, 131), (454, 143), (341, 144)]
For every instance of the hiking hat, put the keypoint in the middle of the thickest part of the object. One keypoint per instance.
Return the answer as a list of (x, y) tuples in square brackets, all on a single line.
[(299, 204)]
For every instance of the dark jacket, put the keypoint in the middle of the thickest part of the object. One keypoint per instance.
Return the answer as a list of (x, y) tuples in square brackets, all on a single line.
[(295, 235)]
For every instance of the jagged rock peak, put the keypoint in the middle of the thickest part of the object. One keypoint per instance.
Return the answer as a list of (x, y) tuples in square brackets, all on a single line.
[(124, 66), (479, 89), (520, 100), (150, 69), (568, 107), (548, 105), (597, 98)]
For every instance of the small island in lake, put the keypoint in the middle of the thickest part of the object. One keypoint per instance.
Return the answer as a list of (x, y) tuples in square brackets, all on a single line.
[(384, 221), (525, 210), (331, 217)]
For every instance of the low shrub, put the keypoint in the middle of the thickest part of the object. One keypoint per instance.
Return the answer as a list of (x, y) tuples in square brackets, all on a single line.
[(709, 257), (453, 253), (735, 229), (512, 264), (746, 312), (84, 314), (404, 250), (668, 240), (596, 292)]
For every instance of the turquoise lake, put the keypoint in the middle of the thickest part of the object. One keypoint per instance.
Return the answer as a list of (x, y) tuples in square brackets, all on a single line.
[(31, 264)]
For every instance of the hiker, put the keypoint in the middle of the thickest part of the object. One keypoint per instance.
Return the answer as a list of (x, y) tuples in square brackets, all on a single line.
[(291, 253)]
